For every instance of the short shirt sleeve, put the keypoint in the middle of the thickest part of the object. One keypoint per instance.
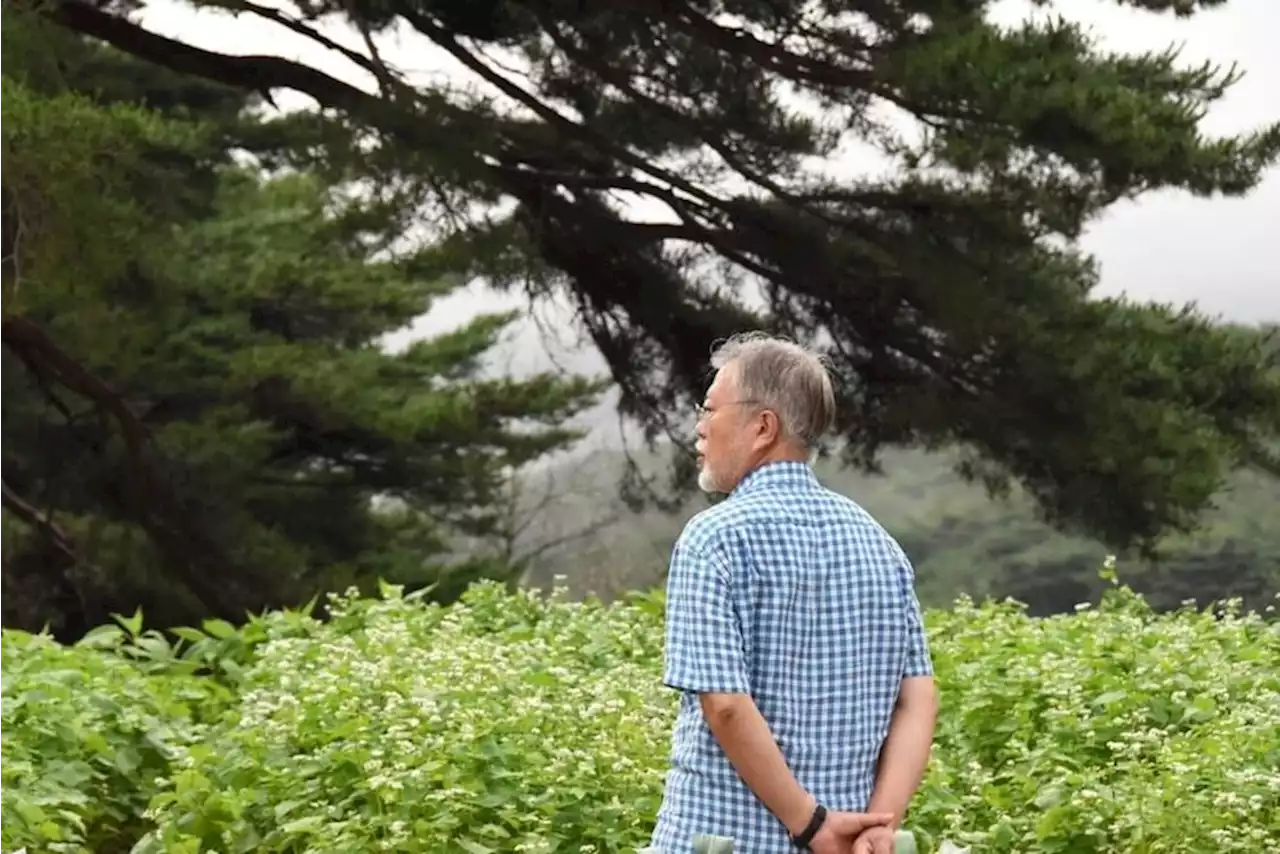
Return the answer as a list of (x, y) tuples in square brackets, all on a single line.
[(918, 661), (705, 652)]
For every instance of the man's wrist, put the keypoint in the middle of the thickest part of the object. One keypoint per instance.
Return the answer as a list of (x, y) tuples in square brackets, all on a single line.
[(804, 837), (800, 816), (883, 806)]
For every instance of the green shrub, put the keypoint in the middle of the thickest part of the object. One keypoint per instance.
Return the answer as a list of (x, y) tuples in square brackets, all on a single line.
[(509, 724), (503, 723), (88, 739), (1112, 730), (512, 723)]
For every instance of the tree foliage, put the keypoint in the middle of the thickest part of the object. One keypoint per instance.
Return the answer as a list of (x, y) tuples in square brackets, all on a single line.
[(949, 291), (200, 417)]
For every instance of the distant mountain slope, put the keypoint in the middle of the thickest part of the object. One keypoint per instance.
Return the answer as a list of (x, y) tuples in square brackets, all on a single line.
[(960, 540)]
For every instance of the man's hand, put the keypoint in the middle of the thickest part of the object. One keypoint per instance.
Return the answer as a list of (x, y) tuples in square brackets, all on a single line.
[(838, 832), (874, 840)]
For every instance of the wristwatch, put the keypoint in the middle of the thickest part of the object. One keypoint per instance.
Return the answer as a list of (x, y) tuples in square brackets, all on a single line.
[(805, 836)]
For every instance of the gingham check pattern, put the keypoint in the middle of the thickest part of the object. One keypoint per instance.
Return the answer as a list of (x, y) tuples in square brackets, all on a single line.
[(794, 594)]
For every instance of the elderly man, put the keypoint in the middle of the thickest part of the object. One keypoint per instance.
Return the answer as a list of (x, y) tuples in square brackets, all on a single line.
[(793, 632)]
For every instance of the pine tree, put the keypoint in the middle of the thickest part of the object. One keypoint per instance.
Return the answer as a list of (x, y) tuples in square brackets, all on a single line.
[(951, 293), (200, 415)]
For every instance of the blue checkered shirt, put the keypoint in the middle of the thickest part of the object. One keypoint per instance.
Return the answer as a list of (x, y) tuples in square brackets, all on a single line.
[(793, 594)]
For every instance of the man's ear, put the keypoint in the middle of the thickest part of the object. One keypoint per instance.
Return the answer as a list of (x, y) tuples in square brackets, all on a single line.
[(768, 428)]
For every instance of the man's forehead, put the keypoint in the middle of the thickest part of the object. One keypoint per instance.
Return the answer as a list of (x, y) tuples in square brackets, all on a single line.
[(721, 383)]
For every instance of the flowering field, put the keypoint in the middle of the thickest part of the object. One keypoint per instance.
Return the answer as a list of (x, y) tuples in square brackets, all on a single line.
[(514, 723)]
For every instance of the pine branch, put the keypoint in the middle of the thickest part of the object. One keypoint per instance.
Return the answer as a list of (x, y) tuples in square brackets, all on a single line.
[(154, 505)]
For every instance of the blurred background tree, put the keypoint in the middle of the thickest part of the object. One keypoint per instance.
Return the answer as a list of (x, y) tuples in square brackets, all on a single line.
[(199, 417)]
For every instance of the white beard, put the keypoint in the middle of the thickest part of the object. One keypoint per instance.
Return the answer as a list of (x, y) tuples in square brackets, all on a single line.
[(706, 481)]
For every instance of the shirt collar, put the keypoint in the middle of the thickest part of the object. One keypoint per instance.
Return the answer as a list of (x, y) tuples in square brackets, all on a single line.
[(780, 473)]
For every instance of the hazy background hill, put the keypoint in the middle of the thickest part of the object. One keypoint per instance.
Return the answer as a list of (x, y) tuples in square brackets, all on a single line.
[(572, 523)]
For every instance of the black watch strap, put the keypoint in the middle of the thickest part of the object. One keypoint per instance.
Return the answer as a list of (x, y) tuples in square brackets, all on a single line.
[(806, 836)]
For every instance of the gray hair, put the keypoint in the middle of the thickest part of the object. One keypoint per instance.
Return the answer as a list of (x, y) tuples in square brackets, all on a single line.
[(783, 376)]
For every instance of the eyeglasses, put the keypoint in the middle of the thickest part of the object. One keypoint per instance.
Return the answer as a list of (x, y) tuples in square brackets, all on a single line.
[(705, 412)]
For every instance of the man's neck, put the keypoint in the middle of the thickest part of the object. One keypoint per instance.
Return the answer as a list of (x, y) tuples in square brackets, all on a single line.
[(784, 454)]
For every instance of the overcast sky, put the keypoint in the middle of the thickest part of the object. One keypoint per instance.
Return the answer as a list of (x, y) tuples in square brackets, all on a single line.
[(1222, 254)]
